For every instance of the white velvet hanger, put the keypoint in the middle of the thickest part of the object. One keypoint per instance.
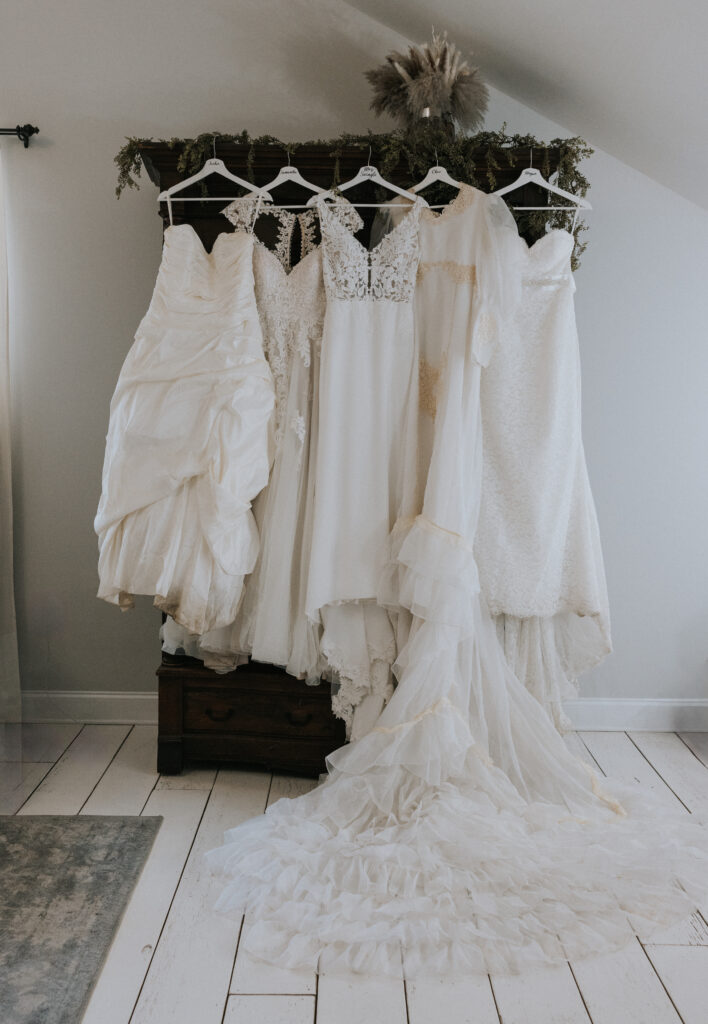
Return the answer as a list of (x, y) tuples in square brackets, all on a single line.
[(367, 173), (292, 174), (532, 176), (436, 173), (212, 166)]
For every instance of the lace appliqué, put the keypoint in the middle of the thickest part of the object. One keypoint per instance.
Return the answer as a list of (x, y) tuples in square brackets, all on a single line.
[(388, 271), (307, 232), (465, 197), (243, 213), (351, 691), (428, 384), (298, 427), (460, 273)]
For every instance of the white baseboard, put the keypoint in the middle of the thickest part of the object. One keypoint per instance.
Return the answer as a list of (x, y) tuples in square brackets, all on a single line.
[(589, 713), (649, 714), (97, 707)]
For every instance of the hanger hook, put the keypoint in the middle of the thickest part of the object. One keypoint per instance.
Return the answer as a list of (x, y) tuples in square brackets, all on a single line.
[(368, 162), (436, 158), (213, 146), (288, 152), (530, 156)]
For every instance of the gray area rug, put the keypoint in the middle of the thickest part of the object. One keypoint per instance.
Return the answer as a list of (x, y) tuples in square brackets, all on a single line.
[(64, 884)]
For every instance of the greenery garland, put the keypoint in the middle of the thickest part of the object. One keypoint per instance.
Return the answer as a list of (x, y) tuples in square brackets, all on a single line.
[(418, 149)]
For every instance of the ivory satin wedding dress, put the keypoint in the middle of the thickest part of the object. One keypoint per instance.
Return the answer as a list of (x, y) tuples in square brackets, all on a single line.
[(459, 835), (188, 444), (271, 624)]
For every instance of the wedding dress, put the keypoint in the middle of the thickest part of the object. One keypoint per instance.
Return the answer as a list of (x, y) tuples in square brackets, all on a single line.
[(272, 625), (459, 835), (366, 452), (188, 444), (538, 543)]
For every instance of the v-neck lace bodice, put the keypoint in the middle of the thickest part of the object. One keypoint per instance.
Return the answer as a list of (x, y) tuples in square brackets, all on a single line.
[(388, 271)]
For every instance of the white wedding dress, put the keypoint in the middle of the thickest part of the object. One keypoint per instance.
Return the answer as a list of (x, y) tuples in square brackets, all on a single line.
[(272, 625), (188, 445), (366, 453), (538, 542), (458, 835)]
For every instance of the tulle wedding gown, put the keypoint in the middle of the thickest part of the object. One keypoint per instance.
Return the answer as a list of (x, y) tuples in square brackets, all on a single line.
[(459, 834)]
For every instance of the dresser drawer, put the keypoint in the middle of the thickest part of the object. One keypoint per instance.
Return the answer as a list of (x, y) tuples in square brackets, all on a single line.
[(256, 717), (256, 712)]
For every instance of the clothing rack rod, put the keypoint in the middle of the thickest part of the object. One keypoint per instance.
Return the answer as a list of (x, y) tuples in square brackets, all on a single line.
[(298, 206), (22, 131), (569, 208)]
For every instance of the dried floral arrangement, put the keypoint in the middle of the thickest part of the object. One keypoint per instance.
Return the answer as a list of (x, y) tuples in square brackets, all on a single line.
[(432, 80), (471, 158)]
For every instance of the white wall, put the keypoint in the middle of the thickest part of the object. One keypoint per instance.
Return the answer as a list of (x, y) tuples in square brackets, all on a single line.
[(642, 310), (84, 265)]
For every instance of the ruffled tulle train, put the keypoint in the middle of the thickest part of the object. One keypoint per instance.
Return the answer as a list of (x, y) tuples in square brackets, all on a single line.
[(459, 835)]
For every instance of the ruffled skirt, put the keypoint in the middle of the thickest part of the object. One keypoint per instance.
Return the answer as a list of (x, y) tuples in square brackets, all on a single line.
[(459, 835)]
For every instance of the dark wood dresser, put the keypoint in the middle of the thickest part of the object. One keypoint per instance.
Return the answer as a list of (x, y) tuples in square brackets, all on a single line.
[(255, 717)]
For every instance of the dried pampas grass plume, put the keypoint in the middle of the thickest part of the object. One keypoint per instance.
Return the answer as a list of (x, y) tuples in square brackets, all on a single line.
[(431, 80)]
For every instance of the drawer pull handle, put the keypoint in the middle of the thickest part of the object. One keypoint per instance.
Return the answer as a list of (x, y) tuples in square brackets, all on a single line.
[(214, 717), (299, 717)]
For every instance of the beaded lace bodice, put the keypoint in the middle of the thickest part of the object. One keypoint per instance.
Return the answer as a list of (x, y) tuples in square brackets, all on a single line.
[(351, 271)]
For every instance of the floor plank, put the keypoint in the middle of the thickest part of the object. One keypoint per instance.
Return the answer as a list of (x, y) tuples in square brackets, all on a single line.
[(547, 995), (190, 778), (691, 931), (289, 786), (270, 1010), (452, 1000), (684, 972), (188, 979), (353, 999), (130, 777), (698, 743), (678, 766), (18, 780), (619, 758), (69, 784), (255, 976), (36, 741), (120, 981), (622, 988), (576, 746)]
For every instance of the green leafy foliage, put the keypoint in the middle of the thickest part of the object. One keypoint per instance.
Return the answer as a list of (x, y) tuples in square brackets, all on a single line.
[(472, 158)]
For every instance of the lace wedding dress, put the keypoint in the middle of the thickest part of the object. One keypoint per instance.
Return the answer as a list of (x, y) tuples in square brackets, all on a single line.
[(458, 835), (188, 444), (538, 543), (271, 624), (366, 452)]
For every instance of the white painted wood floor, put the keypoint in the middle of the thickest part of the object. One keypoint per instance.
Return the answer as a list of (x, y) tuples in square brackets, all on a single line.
[(174, 962)]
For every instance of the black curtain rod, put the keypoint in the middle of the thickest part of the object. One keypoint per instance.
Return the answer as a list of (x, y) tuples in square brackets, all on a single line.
[(22, 131)]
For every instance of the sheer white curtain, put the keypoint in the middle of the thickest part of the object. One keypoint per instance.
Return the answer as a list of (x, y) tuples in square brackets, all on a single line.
[(10, 706)]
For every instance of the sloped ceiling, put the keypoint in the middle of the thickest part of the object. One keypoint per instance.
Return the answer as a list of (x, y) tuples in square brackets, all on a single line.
[(630, 77)]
